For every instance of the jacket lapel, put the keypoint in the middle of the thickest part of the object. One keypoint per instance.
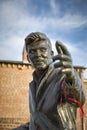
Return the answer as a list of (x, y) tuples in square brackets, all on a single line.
[(32, 96), (42, 84)]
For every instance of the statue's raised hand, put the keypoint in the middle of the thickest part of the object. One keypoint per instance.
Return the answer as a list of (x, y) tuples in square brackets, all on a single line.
[(63, 60)]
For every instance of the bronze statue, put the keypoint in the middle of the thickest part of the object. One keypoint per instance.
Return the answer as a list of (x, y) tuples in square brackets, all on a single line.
[(56, 90)]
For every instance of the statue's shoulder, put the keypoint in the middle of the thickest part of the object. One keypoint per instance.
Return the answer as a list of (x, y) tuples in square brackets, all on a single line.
[(31, 84)]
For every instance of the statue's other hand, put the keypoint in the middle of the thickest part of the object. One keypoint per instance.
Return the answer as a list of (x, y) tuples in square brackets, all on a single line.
[(63, 59)]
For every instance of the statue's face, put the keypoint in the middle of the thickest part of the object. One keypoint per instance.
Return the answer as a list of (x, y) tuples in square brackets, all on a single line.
[(40, 55)]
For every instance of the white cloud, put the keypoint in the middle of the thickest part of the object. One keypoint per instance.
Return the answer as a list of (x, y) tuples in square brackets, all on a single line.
[(12, 48), (54, 7), (67, 22), (14, 17), (11, 12)]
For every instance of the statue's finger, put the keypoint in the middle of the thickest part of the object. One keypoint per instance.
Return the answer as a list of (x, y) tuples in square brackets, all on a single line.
[(63, 48), (63, 64), (67, 70), (59, 50), (62, 57), (69, 73)]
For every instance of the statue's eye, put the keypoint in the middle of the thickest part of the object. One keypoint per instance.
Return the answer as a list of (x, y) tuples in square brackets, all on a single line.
[(31, 51), (42, 49)]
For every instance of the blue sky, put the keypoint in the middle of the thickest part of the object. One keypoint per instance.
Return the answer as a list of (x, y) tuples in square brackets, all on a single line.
[(63, 20)]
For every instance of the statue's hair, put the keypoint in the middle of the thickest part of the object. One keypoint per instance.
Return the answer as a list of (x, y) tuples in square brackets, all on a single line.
[(35, 37)]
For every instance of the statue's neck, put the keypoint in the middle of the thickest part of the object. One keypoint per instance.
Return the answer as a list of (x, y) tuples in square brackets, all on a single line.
[(41, 72)]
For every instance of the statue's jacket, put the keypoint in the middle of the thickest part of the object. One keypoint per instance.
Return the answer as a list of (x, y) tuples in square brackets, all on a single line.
[(49, 106)]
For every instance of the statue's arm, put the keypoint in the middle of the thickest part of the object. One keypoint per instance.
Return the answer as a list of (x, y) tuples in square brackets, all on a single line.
[(76, 89)]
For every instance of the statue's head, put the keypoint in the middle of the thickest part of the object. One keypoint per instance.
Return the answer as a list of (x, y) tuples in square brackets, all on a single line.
[(39, 50)]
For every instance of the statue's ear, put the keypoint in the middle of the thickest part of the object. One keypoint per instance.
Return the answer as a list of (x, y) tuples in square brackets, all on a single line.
[(52, 53), (28, 58)]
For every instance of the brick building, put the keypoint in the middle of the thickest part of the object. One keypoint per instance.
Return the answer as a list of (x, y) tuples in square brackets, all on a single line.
[(14, 86)]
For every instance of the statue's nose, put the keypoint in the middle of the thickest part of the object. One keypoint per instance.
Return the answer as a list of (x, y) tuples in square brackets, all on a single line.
[(38, 53)]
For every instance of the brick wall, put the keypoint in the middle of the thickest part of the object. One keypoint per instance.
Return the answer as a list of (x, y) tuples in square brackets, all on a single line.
[(14, 87)]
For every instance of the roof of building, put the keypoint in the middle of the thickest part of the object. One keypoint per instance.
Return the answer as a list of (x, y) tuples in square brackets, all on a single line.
[(14, 62), (27, 63), (80, 67)]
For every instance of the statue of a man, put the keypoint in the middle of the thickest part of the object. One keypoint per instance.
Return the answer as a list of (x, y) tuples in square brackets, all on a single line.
[(56, 90)]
